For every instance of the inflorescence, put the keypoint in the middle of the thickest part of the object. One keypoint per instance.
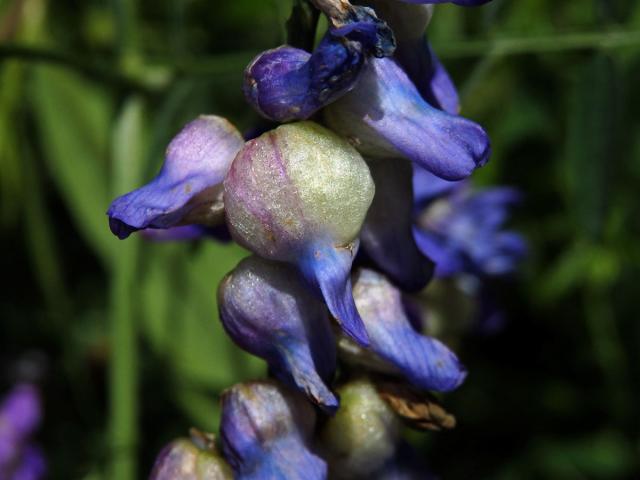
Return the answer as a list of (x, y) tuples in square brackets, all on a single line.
[(351, 204)]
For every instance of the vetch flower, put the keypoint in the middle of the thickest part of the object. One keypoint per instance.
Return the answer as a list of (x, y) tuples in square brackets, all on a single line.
[(266, 432), (20, 416), (424, 361), (188, 188), (414, 54), (266, 309), (463, 232), (427, 188), (194, 458), (287, 83), (299, 194), (385, 116), (362, 436), (386, 235)]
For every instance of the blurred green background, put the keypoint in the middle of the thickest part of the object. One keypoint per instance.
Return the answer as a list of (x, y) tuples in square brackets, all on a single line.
[(91, 92)]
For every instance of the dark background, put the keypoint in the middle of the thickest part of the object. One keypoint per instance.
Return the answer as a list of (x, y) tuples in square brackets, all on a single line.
[(91, 92)]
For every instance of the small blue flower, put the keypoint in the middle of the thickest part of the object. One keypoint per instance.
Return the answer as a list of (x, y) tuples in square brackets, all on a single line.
[(424, 361), (414, 54), (425, 70), (386, 235), (188, 189), (266, 432), (463, 232), (385, 116), (287, 83), (266, 310), (20, 416), (299, 194)]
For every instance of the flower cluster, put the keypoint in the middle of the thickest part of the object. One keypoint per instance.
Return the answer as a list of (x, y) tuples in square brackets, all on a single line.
[(20, 415), (341, 207)]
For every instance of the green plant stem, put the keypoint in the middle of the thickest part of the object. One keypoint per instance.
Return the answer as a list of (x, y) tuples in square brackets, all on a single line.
[(123, 374), (539, 44), (123, 387)]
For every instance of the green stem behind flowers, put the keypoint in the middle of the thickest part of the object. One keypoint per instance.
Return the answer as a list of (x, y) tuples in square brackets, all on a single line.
[(123, 379)]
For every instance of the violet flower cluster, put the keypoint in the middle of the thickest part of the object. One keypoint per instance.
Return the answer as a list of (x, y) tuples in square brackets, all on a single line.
[(20, 416), (348, 207)]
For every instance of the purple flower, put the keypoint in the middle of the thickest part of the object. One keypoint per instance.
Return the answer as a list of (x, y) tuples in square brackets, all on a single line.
[(20, 416), (427, 73), (188, 189), (414, 54), (463, 232), (386, 235), (385, 116), (191, 459), (266, 310), (299, 194), (424, 361), (287, 83), (266, 432)]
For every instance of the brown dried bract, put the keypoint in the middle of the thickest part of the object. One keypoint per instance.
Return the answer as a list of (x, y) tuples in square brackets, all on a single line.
[(420, 410), (336, 10)]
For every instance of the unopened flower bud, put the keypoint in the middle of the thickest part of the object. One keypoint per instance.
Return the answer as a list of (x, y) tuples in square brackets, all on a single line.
[(299, 194), (191, 459), (266, 432), (385, 116), (287, 83), (188, 189), (363, 434), (266, 309)]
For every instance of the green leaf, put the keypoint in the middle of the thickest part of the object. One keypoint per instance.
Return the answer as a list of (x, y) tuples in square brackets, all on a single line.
[(591, 152), (73, 120)]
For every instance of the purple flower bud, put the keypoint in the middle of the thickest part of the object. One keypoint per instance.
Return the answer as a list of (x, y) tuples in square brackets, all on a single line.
[(30, 465), (20, 416), (424, 361), (266, 310), (191, 459), (266, 432), (386, 235), (287, 83), (363, 434), (188, 188), (299, 194), (463, 233), (385, 116)]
